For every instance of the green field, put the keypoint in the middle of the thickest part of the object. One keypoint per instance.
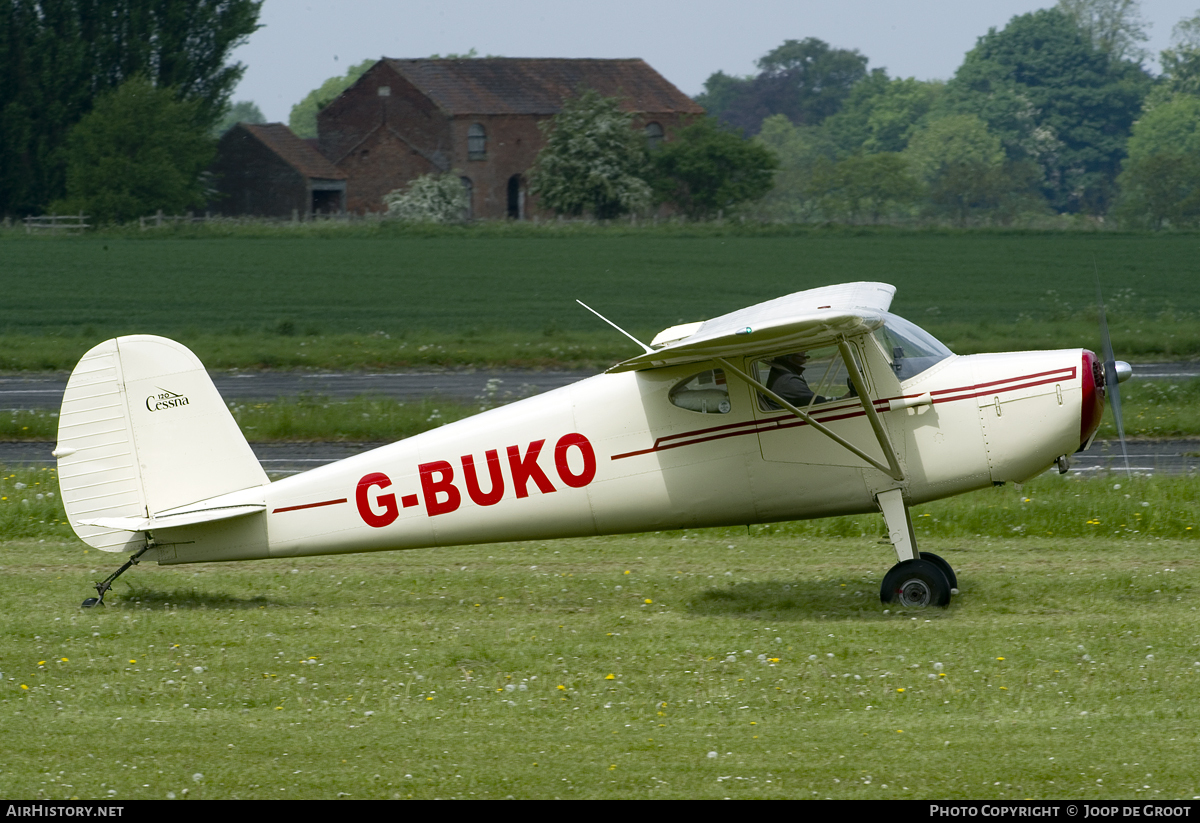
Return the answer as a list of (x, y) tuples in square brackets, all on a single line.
[(701, 664), (454, 298)]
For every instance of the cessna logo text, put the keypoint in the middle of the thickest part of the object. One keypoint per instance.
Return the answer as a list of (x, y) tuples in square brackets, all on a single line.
[(165, 400), (443, 491)]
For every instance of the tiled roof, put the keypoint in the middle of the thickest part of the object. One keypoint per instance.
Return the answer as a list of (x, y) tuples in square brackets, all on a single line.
[(511, 85), (297, 153)]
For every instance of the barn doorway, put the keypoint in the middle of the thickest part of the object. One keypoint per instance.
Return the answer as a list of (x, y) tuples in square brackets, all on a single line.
[(516, 198)]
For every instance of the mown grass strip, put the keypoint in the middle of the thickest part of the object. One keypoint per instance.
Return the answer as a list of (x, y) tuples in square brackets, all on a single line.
[(1051, 506), (699, 664)]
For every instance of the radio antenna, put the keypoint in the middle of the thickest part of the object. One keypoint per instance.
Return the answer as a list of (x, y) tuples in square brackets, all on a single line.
[(615, 326)]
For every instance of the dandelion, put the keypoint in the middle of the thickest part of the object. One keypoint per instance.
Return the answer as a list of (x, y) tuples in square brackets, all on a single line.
[(610, 677)]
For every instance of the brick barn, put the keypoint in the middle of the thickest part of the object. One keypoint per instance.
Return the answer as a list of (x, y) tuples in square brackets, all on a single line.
[(266, 170), (478, 117)]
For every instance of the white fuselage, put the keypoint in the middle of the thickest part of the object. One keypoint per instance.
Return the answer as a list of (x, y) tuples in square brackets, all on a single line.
[(612, 454)]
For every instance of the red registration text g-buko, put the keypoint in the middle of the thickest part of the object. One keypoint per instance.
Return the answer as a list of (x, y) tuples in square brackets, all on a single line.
[(483, 481)]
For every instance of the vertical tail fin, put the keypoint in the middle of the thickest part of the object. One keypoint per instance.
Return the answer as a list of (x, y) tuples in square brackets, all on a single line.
[(144, 430)]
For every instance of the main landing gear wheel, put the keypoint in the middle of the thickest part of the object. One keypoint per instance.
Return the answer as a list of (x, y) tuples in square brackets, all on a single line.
[(951, 577), (916, 584)]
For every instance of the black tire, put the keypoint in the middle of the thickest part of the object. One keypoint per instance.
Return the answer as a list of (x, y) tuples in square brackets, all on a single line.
[(915, 584), (951, 577)]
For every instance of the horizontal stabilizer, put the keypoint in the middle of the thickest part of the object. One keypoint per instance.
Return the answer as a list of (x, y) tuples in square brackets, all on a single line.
[(172, 520)]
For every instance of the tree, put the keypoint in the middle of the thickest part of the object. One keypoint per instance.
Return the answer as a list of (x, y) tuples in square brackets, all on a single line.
[(966, 170), (874, 184), (805, 80), (881, 114), (1160, 182), (431, 198), (1114, 27), (303, 117), (960, 139), (138, 150), (1054, 99), (57, 58), (1180, 63), (1161, 190), (243, 111), (799, 152), (707, 168), (593, 160)]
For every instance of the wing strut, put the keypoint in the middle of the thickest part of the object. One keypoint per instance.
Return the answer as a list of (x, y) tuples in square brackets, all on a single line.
[(860, 386), (892, 470)]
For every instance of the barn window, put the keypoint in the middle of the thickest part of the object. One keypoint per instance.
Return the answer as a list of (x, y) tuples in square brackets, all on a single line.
[(476, 142), (654, 135)]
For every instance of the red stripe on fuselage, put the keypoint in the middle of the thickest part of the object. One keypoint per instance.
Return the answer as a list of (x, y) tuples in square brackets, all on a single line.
[(309, 506), (830, 414)]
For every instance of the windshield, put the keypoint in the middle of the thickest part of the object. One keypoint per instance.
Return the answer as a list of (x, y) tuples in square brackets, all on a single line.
[(911, 349)]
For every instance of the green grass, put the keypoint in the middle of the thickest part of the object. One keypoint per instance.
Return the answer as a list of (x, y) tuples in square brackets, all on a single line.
[(494, 349), (698, 664), (488, 297), (1157, 408)]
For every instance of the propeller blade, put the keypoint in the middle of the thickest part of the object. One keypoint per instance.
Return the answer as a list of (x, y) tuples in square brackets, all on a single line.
[(1112, 383)]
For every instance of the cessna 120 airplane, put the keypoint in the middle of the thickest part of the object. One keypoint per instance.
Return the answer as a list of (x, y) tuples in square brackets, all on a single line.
[(816, 404)]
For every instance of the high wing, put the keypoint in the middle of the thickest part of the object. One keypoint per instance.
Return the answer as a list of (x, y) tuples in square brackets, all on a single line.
[(796, 322), (804, 320)]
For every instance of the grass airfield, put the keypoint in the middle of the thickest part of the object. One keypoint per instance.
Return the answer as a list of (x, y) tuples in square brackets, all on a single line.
[(738, 663), (703, 664)]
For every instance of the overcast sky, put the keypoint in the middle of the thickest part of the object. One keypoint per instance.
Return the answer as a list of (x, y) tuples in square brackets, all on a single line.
[(304, 42)]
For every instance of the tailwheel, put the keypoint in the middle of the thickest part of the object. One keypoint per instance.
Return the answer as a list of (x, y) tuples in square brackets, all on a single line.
[(103, 587), (916, 584)]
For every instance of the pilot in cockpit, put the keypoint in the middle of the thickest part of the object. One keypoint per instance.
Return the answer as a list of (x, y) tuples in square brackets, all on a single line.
[(786, 379)]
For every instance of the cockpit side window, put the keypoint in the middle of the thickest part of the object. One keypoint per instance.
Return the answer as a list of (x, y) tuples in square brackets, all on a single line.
[(706, 392), (910, 348), (804, 378)]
